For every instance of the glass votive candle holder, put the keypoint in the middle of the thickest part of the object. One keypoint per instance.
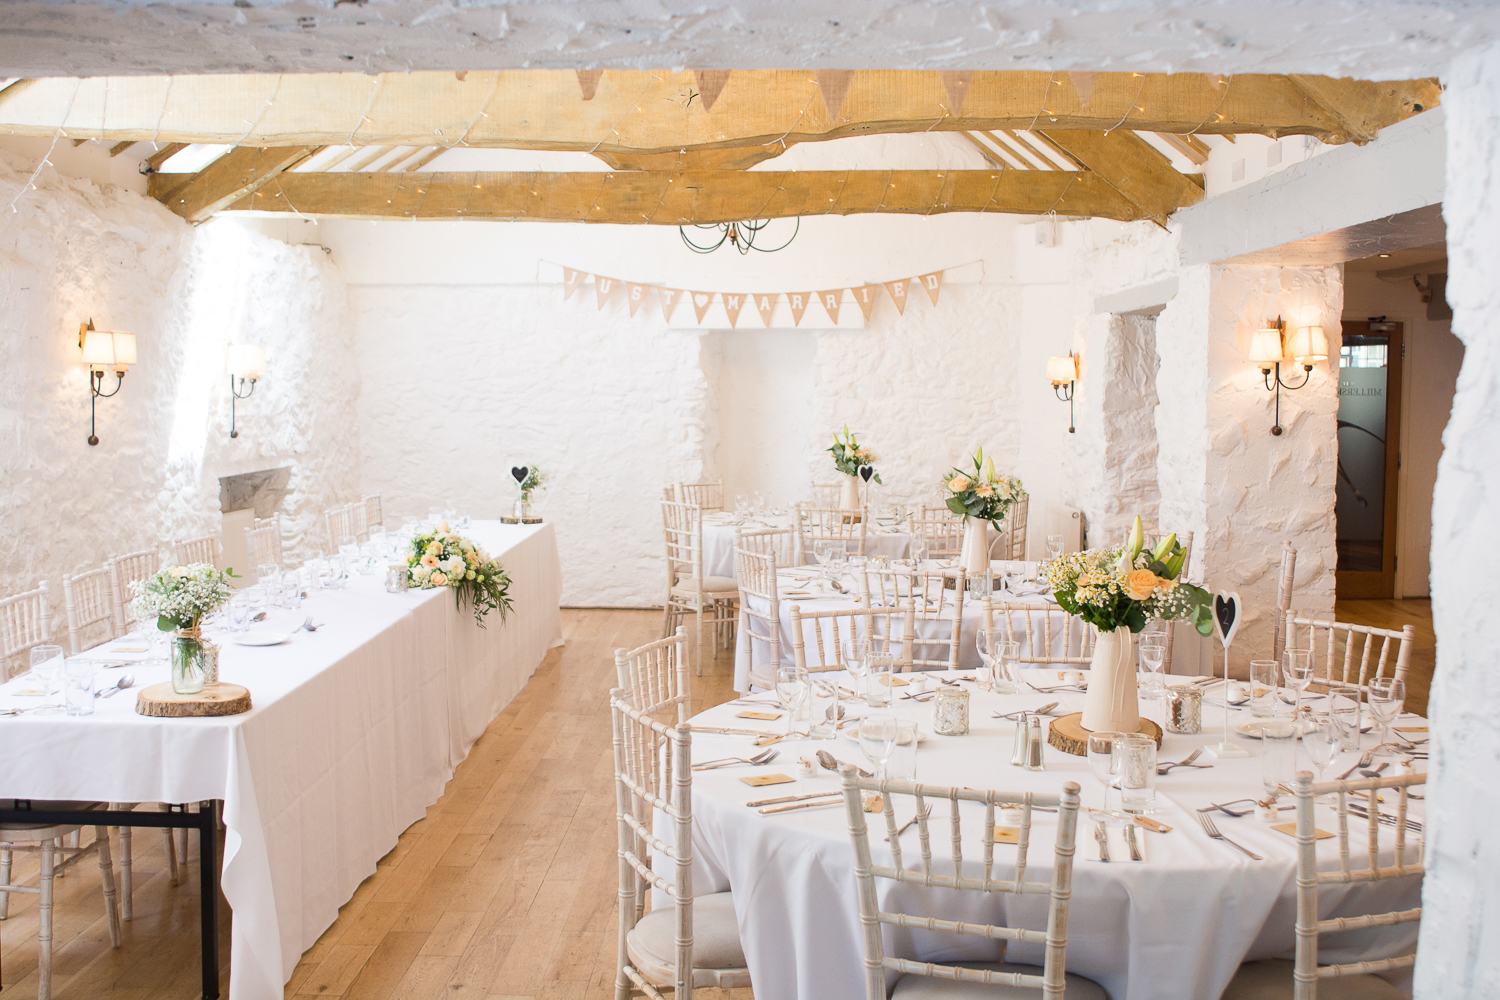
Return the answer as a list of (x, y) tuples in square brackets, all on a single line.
[(950, 711), (1185, 709)]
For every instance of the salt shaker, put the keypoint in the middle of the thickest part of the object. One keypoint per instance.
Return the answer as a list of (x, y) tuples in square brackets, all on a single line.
[(1019, 750), (1034, 741)]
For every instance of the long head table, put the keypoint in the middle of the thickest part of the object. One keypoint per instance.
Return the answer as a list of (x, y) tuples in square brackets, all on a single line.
[(1176, 925), (355, 730)]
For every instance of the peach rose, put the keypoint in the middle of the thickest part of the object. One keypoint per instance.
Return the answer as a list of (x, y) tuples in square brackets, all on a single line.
[(1140, 584), (958, 484), (985, 490), (439, 580)]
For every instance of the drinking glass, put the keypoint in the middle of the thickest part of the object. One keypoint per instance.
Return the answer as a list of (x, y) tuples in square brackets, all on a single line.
[(1297, 669), (1321, 742), (1279, 760), (902, 764), (1054, 546), (918, 551), (267, 574), (823, 709), (984, 642), (854, 652), (1135, 772), (791, 690), (820, 552), (434, 517), (758, 503), (46, 664), (1265, 687), (878, 690), (239, 611), (1387, 695), (878, 733), (79, 673), (1152, 652), (742, 508), (349, 550), (1102, 759), (1344, 710)]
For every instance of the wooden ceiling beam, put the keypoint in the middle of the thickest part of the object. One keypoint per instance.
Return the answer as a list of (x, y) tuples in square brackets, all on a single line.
[(1129, 164), (634, 112), (228, 179), (1190, 146), (681, 198), (156, 159)]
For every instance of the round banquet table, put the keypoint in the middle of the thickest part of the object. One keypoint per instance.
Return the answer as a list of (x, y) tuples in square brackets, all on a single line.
[(719, 528), (1176, 925)]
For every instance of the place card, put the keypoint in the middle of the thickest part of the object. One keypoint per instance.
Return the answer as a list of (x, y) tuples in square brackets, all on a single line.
[(1152, 824), (27, 693), (874, 802), (1007, 834), (1290, 829), (763, 716), (899, 682), (1410, 729), (129, 649), (756, 780)]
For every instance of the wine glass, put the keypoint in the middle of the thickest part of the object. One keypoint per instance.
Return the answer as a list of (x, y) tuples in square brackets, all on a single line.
[(1387, 695), (984, 642), (791, 690), (1321, 742), (877, 738), (1297, 668), (919, 547), (741, 508), (855, 653), (820, 553), (1102, 759), (1054, 546), (47, 665), (758, 502)]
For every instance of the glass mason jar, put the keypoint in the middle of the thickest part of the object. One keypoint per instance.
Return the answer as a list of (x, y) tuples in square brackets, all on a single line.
[(523, 505), (195, 661)]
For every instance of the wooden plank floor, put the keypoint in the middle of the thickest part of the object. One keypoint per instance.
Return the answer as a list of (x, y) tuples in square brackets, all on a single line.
[(505, 890), (1394, 615)]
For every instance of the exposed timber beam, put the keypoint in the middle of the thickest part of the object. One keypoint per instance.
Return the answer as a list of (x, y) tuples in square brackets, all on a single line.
[(646, 112), (1129, 164), (120, 147), (1190, 146), (672, 198), (156, 159), (228, 179)]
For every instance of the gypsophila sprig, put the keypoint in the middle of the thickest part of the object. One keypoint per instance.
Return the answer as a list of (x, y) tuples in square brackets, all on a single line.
[(536, 478), (1129, 586), (440, 558), (981, 493), (179, 597), (849, 457)]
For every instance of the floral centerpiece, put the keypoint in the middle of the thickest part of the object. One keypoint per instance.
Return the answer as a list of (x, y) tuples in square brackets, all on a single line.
[(980, 496), (1118, 591), (849, 458), (536, 478), (179, 598), (441, 558)]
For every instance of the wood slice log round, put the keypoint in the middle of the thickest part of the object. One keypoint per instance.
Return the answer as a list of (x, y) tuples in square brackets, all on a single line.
[(161, 701), (1068, 735)]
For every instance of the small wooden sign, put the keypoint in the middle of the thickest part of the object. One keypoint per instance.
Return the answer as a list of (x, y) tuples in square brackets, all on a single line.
[(160, 701), (756, 780)]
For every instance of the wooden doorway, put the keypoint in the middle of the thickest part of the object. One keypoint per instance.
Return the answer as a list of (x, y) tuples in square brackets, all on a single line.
[(1369, 458)]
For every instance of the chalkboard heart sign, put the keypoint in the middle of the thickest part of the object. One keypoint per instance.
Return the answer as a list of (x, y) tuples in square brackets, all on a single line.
[(866, 471), (519, 473), (1226, 616)]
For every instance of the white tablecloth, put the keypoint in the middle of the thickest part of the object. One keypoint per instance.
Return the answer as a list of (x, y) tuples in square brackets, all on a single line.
[(1175, 926), (718, 540), (355, 730)]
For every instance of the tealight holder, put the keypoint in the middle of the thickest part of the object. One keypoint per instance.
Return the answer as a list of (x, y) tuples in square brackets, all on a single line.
[(950, 711)]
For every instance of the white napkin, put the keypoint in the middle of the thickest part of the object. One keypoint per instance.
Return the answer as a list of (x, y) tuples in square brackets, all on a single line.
[(1119, 850)]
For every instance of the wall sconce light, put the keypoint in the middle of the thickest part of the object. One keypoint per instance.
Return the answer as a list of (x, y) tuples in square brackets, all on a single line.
[(1271, 346), (104, 350), (245, 363), (1064, 372)]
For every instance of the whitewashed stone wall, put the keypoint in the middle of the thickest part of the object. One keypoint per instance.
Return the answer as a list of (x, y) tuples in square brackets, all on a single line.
[(73, 250), (1459, 953)]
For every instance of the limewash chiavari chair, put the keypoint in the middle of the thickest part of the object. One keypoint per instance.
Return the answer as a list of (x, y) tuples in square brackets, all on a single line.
[(778, 542), (205, 549), (832, 524), (830, 629), (710, 599), (942, 529), (1279, 979), (826, 494), (708, 495), (1035, 622), (359, 522), (50, 842), (25, 621), (760, 610), (1010, 542), (1283, 599), (982, 875), (933, 599), (125, 572), (694, 942), (656, 675), (263, 542), (374, 512), (1346, 658), (340, 523), (89, 599)]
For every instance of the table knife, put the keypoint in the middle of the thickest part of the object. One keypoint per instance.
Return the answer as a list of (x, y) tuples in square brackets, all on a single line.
[(1130, 841), (1102, 836), (803, 805), (792, 798)]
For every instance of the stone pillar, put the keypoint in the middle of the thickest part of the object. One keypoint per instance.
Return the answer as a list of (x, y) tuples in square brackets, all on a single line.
[(1459, 953), (1221, 473)]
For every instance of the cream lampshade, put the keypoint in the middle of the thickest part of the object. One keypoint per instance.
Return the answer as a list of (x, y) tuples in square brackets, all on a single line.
[(108, 350), (1266, 349), (1061, 370), (246, 360), (1308, 345)]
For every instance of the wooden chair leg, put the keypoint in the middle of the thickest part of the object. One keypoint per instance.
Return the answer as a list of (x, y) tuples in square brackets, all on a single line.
[(698, 648), (107, 875), (44, 925), (4, 880), (182, 846), (126, 877)]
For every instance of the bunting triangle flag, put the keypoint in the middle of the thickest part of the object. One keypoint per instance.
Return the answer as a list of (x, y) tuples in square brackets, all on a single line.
[(603, 288), (710, 85), (588, 82), (701, 302), (898, 295), (766, 305), (864, 297), (957, 84), (831, 300), (798, 302), (932, 282), (571, 280), (669, 299), (635, 295), (732, 305), (834, 83), (1084, 84)]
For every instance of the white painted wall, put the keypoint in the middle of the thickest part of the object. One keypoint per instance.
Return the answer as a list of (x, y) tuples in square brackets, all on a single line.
[(73, 250), (762, 385), (1430, 373)]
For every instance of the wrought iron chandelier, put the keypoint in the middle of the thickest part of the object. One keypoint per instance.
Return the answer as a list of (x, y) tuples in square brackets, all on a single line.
[(740, 235)]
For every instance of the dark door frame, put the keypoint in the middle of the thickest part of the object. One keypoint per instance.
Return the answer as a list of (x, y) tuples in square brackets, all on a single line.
[(1382, 584)]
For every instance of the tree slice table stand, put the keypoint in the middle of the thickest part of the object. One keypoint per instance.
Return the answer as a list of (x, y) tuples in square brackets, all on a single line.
[(160, 701), (523, 520), (1068, 735)]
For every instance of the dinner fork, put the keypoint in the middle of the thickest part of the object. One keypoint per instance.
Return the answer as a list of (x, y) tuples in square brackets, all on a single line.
[(764, 757), (1363, 762), (1184, 762), (1205, 821)]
